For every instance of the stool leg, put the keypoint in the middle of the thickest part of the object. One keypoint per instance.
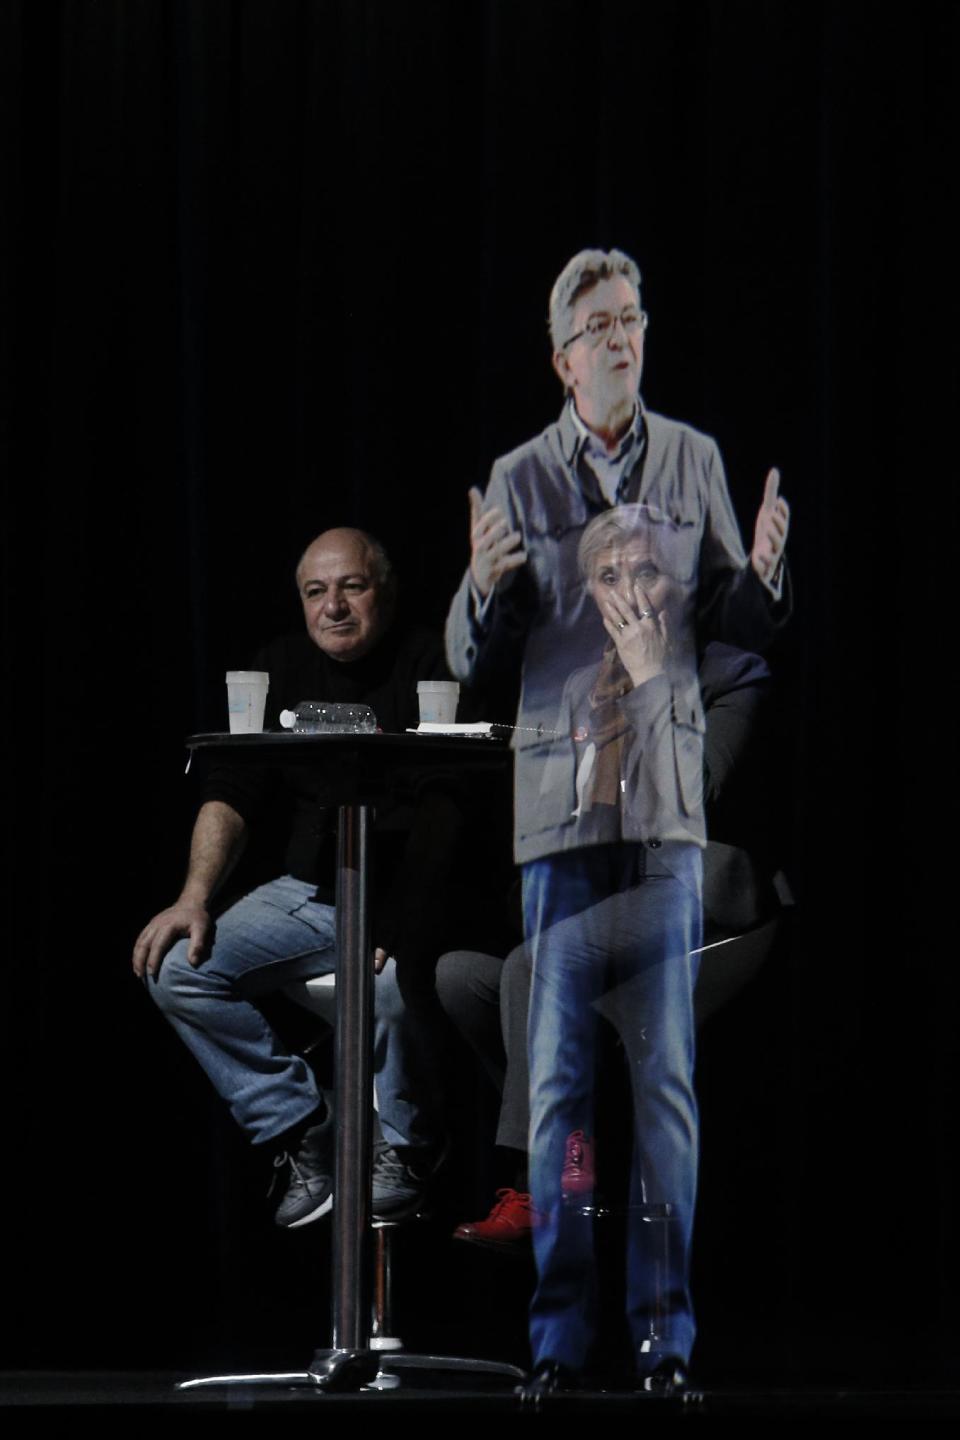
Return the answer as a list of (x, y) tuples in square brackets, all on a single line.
[(381, 1333)]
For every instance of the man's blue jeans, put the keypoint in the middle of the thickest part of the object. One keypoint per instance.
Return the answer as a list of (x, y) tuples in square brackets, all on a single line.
[(277, 934), (612, 929)]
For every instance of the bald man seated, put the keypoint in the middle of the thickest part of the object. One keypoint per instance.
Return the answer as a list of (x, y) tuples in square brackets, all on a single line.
[(208, 969)]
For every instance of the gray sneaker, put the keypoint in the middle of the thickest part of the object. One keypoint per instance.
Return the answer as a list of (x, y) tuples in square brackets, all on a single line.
[(306, 1177), (401, 1184)]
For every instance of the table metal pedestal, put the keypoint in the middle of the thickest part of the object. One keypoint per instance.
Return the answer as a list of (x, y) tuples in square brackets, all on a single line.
[(364, 765)]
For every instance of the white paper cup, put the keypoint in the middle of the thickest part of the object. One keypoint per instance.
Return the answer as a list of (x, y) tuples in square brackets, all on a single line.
[(438, 701), (246, 700)]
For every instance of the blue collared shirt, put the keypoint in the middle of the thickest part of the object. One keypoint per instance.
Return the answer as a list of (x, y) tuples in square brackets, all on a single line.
[(612, 471)]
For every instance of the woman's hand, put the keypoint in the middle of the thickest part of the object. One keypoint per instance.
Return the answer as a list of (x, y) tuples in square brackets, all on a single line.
[(638, 632)]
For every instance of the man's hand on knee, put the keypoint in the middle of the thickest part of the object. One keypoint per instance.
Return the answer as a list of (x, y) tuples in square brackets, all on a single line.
[(186, 919)]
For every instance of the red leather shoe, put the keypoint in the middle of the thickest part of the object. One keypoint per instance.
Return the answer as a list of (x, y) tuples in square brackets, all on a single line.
[(508, 1227), (577, 1176)]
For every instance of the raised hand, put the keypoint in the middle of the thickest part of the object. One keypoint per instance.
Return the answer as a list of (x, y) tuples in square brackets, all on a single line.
[(770, 531), (494, 550)]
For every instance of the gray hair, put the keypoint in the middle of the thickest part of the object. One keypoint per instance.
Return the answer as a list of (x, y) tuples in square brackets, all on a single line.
[(579, 275), (613, 528)]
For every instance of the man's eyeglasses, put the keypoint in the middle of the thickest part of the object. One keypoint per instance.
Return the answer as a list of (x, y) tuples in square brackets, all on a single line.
[(601, 326)]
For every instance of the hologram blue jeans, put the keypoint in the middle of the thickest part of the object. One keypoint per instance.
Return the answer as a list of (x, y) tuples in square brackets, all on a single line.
[(612, 928)]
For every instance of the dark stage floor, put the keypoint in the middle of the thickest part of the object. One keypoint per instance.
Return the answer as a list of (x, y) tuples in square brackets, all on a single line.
[(93, 1391)]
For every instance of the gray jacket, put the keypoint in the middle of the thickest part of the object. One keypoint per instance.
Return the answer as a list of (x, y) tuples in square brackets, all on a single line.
[(542, 618)]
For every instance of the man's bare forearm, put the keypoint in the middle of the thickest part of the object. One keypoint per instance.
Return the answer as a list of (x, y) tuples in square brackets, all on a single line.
[(219, 837), (219, 834)]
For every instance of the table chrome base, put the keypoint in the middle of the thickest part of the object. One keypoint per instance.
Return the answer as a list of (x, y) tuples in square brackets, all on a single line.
[(350, 1370)]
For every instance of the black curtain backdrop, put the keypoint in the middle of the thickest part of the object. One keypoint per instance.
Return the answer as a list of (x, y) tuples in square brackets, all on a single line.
[(272, 266)]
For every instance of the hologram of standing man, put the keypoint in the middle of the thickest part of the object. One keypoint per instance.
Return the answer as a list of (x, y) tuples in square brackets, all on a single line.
[(595, 879)]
